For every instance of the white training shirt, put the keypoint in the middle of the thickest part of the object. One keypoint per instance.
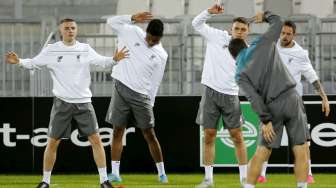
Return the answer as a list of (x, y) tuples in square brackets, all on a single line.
[(297, 62), (143, 70), (219, 66), (69, 67)]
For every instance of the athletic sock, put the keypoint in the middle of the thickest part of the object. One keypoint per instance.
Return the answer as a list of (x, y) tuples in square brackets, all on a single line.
[(264, 168), (46, 176), (249, 186), (160, 168), (209, 172), (302, 185), (242, 172), (102, 175), (309, 167), (115, 167)]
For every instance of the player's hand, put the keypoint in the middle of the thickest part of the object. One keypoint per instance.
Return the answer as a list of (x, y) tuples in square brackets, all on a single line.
[(119, 55), (142, 17), (325, 106), (216, 9), (11, 58), (268, 132), (259, 17)]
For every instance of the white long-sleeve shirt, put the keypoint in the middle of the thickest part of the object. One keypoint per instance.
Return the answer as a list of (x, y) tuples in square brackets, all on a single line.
[(69, 67), (219, 66), (144, 69), (297, 62)]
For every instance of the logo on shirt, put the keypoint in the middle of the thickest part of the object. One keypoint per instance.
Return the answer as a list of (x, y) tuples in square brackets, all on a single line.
[(152, 57), (290, 60), (78, 58), (59, 59), (136, 44)]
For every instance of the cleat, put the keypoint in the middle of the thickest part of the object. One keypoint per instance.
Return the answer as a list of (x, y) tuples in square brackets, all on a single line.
[(114, 178), (106, 184), (206, 183), (163, 178), (310, 179), (43, 185), (243, 182), (262, 179)]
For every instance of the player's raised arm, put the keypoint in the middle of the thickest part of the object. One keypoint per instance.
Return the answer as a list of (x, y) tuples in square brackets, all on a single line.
[(274, 30), (12, 58), (141, 17), (123, 24), (200, 25)]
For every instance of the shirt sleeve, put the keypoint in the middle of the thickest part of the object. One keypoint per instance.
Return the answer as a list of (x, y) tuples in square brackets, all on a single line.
[(156, 80), (307, 69), (274, 30), (255, 99), (209, 33), (36, 62), (99, 60), (121, 25)]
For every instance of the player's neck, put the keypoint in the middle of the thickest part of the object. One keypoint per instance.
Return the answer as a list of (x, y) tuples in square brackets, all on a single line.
[(69, 42), (289, 45)]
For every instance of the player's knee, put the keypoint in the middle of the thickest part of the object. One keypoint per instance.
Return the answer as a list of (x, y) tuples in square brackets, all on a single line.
[(300, 150), (209, 141), (263, 153), (118, 133), (95, 140), (237, 137), (53, 144), (149, 135), (210, 133)]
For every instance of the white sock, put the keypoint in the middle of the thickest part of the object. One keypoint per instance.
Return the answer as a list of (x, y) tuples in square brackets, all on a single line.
[(208, 172), (115, 167), (160, 168), (46, 176), (242, 172), (264, 168), (249, 186), (302, 185), (309, 167), (102, 175)]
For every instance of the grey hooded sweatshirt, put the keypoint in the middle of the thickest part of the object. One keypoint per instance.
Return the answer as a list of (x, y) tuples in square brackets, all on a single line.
[(260, 73)]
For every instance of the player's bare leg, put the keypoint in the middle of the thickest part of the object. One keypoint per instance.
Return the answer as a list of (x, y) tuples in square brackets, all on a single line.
[(209, 155), (116, 151), (241, 153), (301, 164), (156, 153), (261, 155)]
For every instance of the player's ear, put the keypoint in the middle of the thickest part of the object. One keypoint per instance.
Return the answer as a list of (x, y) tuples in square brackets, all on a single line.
[(59, 32)]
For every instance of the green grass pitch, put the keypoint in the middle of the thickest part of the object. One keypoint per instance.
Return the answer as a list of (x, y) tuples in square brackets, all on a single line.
[(150, 181)]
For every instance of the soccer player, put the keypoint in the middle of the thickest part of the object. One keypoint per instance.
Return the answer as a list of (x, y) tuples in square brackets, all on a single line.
[(270, 88), (220, 97), (136, 82), (69, 64), (297, 61)]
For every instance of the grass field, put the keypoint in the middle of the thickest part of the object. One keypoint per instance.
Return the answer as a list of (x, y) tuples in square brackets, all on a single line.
[(150, 181)]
